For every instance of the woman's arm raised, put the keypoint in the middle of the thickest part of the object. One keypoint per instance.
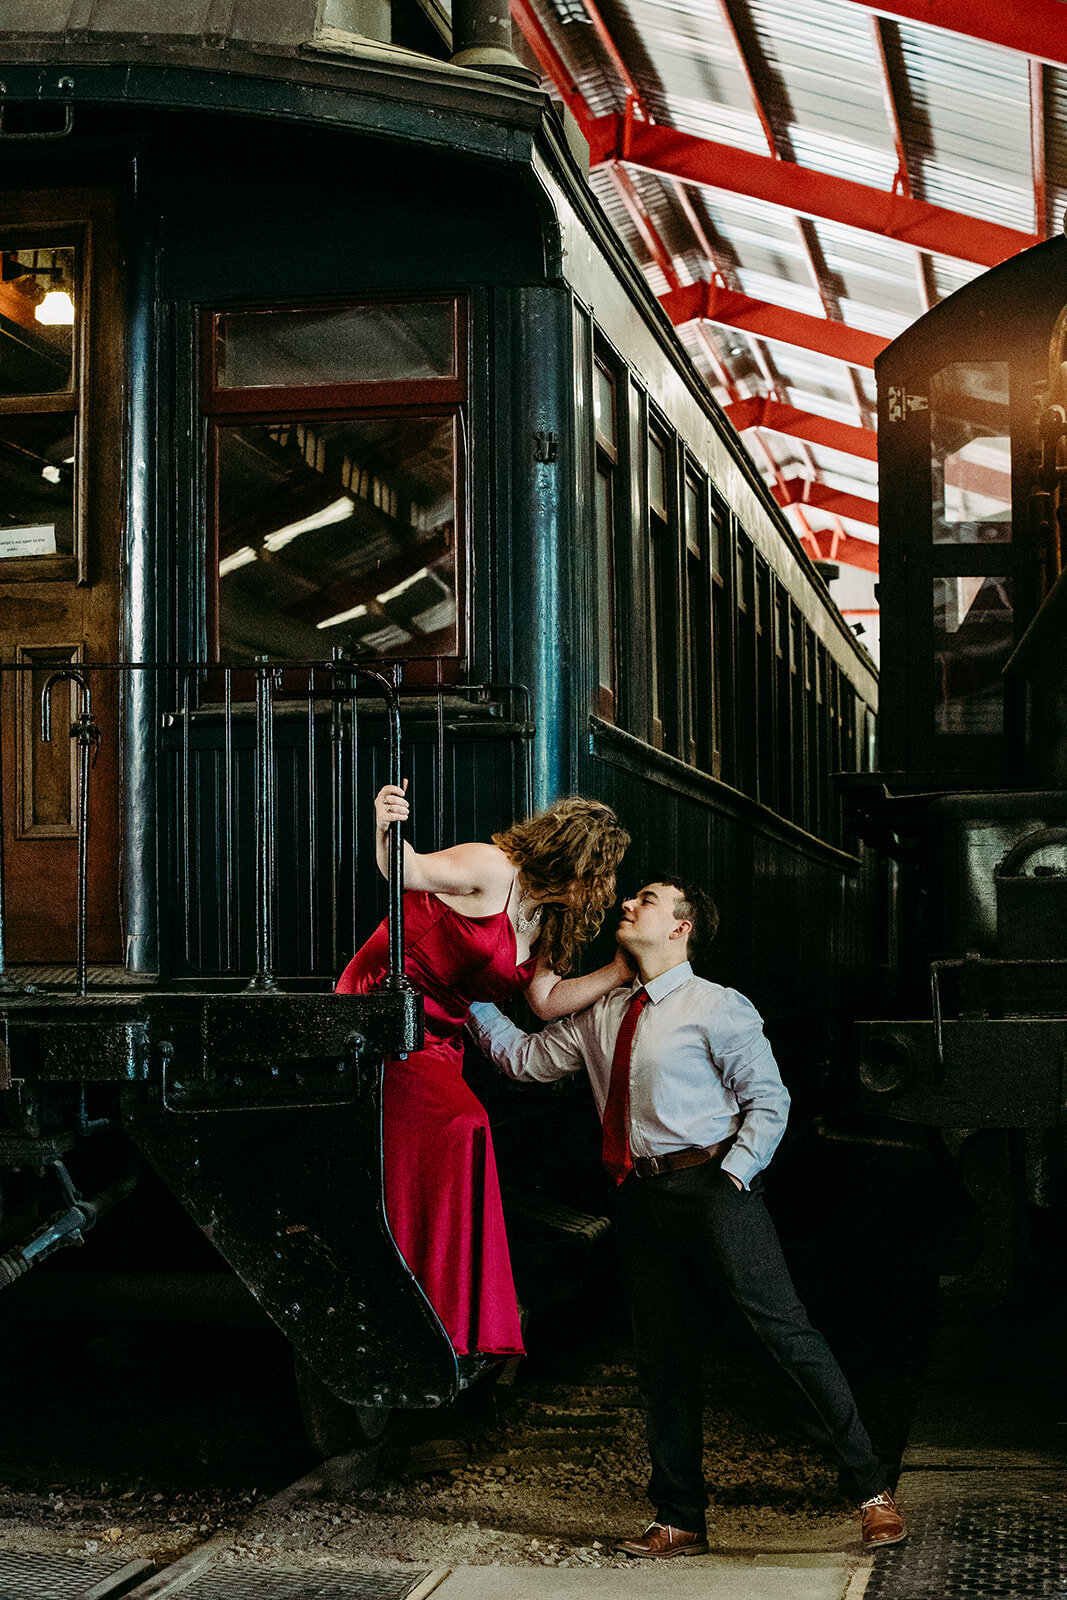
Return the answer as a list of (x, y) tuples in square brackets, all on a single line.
[(476, 873), (549, 996)]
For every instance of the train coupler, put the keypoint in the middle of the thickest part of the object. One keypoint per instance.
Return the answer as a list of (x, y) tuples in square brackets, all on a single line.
[(67, 1227)]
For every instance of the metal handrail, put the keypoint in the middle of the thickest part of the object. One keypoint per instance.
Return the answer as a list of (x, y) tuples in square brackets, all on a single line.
[(197, 776)]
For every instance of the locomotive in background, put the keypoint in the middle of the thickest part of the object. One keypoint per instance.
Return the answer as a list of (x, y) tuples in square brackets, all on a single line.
[(318, 359), (971, 795)]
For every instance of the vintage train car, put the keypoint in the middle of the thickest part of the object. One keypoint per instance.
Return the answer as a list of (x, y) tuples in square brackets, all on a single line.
[(346, 373), (971, 798)]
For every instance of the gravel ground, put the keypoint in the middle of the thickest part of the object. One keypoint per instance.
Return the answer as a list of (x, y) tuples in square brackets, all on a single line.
[(146, 1438), (148, 1444)]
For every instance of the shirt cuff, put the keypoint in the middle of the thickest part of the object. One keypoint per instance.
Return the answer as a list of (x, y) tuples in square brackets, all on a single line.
[(740, 1165)]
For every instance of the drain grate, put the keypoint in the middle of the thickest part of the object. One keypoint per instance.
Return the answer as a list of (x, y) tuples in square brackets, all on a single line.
[(274, 1583), (1002, 1539), (37, 1577)]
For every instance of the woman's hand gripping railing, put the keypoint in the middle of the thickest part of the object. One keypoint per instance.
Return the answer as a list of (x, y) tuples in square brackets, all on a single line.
[(87, 735), (396, 978)]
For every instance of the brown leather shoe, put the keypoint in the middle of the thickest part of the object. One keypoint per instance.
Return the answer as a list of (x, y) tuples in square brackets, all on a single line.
[(660, 1542), (881, 1522)]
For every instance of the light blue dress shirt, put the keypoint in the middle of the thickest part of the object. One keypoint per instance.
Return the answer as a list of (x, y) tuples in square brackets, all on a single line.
[(701, 1068)]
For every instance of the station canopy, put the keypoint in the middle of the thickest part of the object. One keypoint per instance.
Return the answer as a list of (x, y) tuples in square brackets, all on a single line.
[(799, 181)]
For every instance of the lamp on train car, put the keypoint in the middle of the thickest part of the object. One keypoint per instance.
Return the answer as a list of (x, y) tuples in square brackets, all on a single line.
[(56, 310)]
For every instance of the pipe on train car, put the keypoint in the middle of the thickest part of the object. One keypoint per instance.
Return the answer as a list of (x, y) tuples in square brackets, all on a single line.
[(481, 38)]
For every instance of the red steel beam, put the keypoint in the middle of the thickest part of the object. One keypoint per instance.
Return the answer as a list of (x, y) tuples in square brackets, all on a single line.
[(763, 412), (1031, 27), (611, 49), (1038, 152), (551, 62), (821, 497), (841, 547), (800, 190), (638, 214), (714, 303)]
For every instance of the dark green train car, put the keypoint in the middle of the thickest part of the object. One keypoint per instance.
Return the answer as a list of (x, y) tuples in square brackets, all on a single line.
[(317, 354), (971, 798)]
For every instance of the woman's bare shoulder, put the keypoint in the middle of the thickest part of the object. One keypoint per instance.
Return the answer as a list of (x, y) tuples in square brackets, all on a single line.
[(472, 872)]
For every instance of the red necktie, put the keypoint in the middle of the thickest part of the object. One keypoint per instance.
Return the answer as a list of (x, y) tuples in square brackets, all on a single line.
[(616, 1157)]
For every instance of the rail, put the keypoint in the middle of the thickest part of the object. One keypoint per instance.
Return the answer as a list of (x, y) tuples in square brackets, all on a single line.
[(251, 798)]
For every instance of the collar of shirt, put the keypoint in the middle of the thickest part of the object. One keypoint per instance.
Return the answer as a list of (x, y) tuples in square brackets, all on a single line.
[(658, 988)]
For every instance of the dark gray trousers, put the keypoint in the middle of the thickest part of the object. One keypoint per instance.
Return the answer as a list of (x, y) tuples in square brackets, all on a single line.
[(680, 1229)]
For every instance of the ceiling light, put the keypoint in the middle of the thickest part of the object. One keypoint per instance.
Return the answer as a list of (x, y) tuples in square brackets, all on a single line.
[(391, 594), (240, 558), (336, 511), (56, 310), (570, 11), (343, 616)]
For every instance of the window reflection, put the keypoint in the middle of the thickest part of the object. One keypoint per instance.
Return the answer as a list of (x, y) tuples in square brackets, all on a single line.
[(36, 485), (37, 300), (971, 453), (604, 403), (972, 641), (353, 344), (338, 533)]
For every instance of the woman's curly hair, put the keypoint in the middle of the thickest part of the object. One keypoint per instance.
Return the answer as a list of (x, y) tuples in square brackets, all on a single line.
[(573, 849)]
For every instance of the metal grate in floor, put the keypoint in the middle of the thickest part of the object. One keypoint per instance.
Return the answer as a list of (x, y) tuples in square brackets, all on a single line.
[(1003, 1538), (25, 1576), (274, 1583), (57, 976)]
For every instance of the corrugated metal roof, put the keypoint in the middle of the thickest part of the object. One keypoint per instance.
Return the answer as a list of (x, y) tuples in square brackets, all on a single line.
[(967, 125), (829, 98), (841, 91), (688, 74)]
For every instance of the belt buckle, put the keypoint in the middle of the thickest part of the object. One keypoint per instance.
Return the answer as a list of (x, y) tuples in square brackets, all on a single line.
[(657, 1166)]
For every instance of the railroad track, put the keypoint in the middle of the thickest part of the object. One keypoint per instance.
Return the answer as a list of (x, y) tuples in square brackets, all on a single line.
[(203, 1573)]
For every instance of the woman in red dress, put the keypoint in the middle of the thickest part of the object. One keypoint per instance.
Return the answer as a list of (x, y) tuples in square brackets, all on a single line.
[(481, 922)]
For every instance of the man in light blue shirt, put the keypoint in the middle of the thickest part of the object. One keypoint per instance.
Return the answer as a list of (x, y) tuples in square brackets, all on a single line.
[(693, 1109)]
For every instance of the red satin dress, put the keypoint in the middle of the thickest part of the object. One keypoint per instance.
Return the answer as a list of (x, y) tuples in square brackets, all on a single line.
[(442, 1193)]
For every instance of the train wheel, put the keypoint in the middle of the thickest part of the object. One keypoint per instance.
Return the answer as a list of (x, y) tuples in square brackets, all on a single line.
[(333, 1426)]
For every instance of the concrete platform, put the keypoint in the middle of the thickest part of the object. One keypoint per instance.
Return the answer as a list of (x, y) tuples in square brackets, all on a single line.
[(710, 1577)]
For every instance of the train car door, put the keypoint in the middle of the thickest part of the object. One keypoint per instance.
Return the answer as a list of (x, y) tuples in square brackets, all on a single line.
[(60, 583)]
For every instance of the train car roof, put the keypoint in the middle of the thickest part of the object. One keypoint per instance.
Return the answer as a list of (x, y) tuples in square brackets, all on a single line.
[(272, 43), (1012, 302)]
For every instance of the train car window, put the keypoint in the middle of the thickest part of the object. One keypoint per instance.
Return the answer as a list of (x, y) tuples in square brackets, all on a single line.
[(337, 448), (720, 636), (971, 453), (607, 461), (604, 405), (372, 343), (338, 533), (798, 766), (766, 744), (663, 585), (745, 742), (40, 403), (700, 749), (821, 786), (783, 718), (811, 732), (657, 519), (973, 627)]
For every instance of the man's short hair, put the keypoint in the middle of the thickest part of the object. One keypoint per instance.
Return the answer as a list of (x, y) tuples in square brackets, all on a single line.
[(694, 905)]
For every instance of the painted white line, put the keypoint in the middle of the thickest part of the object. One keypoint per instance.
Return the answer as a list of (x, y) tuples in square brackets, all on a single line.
[(857, 1584), (429, 1583)]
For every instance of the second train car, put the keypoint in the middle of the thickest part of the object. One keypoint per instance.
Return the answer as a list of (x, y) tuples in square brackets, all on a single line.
[(970, 799)]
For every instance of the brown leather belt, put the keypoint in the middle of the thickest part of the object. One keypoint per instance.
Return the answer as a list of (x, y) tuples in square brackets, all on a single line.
[(676, 1160)]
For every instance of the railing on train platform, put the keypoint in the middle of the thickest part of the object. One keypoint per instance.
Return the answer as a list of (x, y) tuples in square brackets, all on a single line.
[(266, 771)]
